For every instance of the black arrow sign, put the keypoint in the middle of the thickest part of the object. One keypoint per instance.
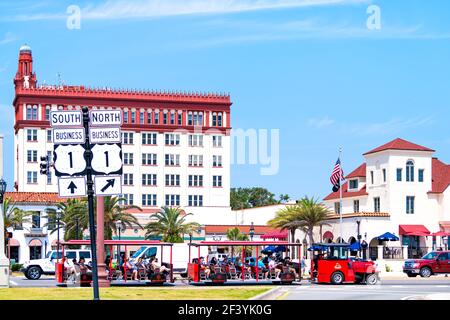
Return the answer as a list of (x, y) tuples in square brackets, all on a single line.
[(110, 183), (72, 187)]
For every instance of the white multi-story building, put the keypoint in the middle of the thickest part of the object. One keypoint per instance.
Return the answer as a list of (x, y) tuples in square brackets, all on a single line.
[(400, 188), (175, 146)]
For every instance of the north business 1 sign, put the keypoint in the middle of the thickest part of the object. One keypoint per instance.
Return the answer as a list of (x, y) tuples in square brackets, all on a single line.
[(108, 118), (106, 159), (104, 135), (69, 160)]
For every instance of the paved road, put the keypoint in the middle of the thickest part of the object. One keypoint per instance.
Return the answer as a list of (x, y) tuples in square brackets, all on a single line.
[(388, 290), (21, 281)]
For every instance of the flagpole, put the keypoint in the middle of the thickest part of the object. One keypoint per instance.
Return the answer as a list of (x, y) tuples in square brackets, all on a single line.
[(340, 194)]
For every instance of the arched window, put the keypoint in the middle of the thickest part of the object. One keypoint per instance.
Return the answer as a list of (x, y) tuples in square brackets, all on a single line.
[(410, 170)]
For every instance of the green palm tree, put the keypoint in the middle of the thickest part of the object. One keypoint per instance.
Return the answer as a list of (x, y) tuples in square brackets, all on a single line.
[(170, 223), (70, 213), (234, 234), (312, 214), (13, 216), (114, 212)]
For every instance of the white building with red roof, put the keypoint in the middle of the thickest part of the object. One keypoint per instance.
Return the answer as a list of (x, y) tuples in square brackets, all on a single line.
[(399, 188)]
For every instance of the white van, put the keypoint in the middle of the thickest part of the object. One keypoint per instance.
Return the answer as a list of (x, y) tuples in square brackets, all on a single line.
[(34, 269), (180, 255)]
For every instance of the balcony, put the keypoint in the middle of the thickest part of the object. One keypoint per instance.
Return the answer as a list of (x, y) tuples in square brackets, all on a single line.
[(36, 232)]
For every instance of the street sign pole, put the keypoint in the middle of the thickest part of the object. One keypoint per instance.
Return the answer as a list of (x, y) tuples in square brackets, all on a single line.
[(90, 195)]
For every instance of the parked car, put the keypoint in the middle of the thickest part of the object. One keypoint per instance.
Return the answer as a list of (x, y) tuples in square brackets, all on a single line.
[(34, 269), (435, 262)]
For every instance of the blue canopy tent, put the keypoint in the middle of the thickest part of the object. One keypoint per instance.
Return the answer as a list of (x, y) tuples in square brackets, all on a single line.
[(271, 249), (355, 246), (316, 247), (388, 237)]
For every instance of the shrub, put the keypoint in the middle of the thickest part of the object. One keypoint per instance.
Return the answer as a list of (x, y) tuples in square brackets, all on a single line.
[(16, 267)]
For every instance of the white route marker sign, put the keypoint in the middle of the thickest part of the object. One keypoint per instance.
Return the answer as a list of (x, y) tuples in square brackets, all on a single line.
[(66, 119), (106, 159), (69, 136), (104, 135), (108, 185), (69, 160), (72, 187)]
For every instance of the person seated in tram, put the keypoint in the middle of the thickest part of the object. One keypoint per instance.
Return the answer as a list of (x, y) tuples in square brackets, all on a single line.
[(213, 261), (262, 266), (205, 267), (290, 265), (84, 268), (69, 267), (156, 265)]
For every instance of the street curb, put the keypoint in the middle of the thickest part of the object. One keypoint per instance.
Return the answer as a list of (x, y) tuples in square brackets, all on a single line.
[(263, 295)]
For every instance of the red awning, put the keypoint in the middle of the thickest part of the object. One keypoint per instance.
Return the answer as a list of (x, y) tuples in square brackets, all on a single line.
[(440, 234), (274, 235), (328, 235), (13, 243), (413, 230)]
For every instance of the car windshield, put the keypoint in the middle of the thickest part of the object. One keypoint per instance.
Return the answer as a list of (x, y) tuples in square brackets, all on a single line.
[(138, 253), (430, 256)]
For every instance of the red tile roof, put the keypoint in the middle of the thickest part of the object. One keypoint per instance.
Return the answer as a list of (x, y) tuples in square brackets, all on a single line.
[(399, 144), (358, 172), (440, 176), (222, 229), (34, 197), (346, 193)]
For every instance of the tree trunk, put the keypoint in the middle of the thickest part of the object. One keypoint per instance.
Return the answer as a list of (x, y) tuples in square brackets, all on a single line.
[(321, 239), (292, 240)]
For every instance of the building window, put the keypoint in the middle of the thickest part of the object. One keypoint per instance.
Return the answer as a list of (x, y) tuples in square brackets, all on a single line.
[(195, 181), (217, 181), (195, 160), (149, 138), (371, 177), (384, 175), (165, 118), (410, 171), (156, 117), (36, 219), (149, 180), (409, 205), (217, 161), (195, 201), (337, 208), (172, 139), (354, 184), (355, 206), (195, 140), (149, 159), (217, 119), (127, 199), (49, 135), (172, 180), (49, 174), (149, 117), (421, 175), (31, 135), (149, 200), (128, 158), (125, 116), (217, 141), (399, 174), (376, 204), (172, 118), (128, 179), (31, 177), (180, 119), (31, 155), (127, 137), (32, 112), (190, 122), (172, 159), (133, 116), (172, 199), (47, 113), (141, 117)]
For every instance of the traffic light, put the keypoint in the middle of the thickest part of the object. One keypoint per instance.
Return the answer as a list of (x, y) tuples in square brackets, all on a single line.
[(45, 165)]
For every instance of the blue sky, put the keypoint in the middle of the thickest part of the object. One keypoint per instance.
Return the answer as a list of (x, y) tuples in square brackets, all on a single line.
[(311, 69)]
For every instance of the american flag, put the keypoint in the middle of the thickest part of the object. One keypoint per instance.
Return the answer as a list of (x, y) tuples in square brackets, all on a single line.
[(337, 175)]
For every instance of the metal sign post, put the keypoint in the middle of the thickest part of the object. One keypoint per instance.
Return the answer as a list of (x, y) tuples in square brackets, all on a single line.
[(90, 195)]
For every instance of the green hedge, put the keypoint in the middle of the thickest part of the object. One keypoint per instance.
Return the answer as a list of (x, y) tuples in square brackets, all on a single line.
[(16, 267)]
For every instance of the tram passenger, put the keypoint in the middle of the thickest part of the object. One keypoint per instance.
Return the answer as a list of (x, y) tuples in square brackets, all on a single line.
[(205, 267), (156, 265)]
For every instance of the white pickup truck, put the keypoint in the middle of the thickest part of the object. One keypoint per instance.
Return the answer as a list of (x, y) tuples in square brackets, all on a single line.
[(34, 269)]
